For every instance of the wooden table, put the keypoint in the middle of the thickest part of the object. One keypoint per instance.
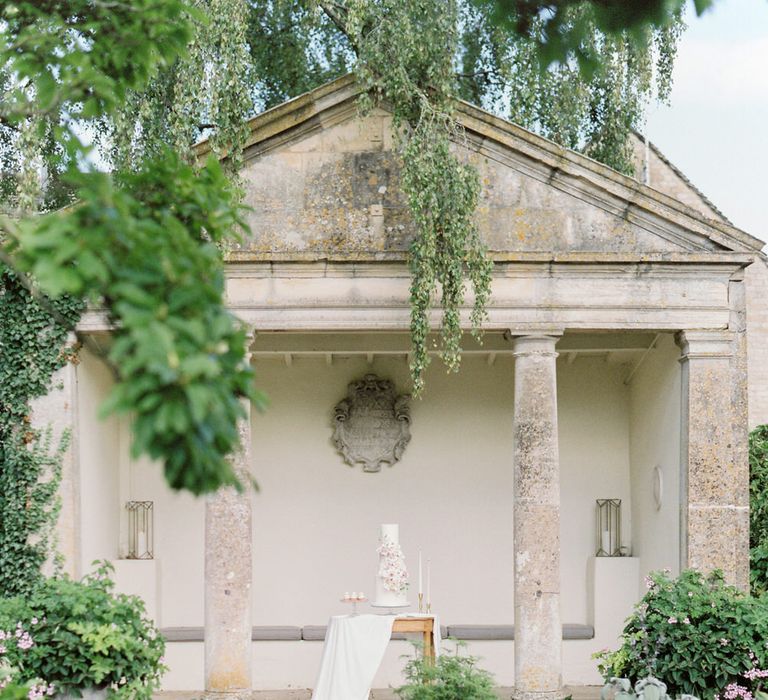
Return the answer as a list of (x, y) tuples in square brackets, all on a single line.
[(423, 625)]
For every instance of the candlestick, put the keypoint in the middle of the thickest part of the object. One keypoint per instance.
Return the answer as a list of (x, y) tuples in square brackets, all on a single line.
[(429, 585), (421, 602)]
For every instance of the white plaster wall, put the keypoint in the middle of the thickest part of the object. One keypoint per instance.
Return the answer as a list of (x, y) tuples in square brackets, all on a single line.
[(655, 424), (593, 414), (99, 447), (179, 522), (316, 519)]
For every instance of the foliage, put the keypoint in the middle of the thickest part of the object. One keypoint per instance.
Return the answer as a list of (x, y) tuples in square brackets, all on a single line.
[(65, 62), (294, 48), (452, 676), (31, 350), (695, 633), (758, 510), (145, 246), (594, 115), (78, 635), (558, 39), (142, 245), (207, 90), (14, 691)]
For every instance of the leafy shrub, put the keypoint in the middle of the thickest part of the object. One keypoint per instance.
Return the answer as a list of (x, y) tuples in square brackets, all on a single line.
[(78, 635), (696, 634), (450, 677), (758, 510), (9, 689)]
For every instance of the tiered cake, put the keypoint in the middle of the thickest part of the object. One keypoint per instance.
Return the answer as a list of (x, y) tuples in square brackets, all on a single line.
[(392, 579)]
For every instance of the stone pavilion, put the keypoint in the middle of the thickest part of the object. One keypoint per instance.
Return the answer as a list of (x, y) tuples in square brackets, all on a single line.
[(624, 358)]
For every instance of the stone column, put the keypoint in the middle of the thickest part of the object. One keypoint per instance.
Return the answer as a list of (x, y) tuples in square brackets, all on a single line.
[(538, 629), (228, 574), (58, 411), (714, 514)]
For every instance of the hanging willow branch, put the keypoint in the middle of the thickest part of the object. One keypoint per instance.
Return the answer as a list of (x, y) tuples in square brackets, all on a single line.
[(406, 50)]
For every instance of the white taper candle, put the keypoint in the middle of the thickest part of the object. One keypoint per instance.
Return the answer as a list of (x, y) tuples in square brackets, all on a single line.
[(421, 587)]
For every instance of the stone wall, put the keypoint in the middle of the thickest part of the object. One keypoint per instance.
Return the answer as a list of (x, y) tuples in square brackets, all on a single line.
[(332, 187), (757, 341)]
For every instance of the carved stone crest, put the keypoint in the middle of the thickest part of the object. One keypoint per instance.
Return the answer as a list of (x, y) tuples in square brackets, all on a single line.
[(373, 424)]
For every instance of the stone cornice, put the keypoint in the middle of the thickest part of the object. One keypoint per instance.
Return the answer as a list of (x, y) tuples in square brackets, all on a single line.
[(243, 259), (530, 296)]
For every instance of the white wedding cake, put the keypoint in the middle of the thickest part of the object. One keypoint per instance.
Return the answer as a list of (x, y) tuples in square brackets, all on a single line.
[(392, 579)]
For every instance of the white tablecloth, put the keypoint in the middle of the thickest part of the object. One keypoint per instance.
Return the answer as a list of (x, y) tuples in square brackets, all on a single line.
[(354, 648)]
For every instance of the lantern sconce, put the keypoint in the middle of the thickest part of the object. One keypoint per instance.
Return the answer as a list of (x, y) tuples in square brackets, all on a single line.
[(140, 530), (609, 527)]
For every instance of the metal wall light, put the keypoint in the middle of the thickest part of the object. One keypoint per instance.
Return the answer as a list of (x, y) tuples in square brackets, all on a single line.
[(141, 531), (609, 527)]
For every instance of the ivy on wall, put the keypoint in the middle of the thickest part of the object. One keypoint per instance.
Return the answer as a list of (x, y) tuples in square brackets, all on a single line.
[(143, 242), (32, 348), (758, 510)]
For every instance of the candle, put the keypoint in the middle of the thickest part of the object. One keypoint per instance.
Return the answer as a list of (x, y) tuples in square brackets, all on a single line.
[(606, 542), (429, 583), (421, 587), (142, 544)]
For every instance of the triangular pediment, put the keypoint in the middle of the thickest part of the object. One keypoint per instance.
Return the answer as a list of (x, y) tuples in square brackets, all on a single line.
[(322, 181)]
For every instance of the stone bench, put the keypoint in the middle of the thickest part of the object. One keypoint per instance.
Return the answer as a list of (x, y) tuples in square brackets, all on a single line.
[(316, 633), (507, 632), (279, 633)]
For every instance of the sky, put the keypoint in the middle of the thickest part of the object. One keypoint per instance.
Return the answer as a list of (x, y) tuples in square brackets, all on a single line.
[(716, 127)]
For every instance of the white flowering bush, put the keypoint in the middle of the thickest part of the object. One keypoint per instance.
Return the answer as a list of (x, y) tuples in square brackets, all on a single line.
[(697, 634), (392, 566), (68, 636)]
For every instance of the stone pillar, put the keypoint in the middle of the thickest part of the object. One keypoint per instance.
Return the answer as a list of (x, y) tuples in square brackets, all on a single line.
[(58, 411), (228, 574), (714, 514), (538, 629)]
